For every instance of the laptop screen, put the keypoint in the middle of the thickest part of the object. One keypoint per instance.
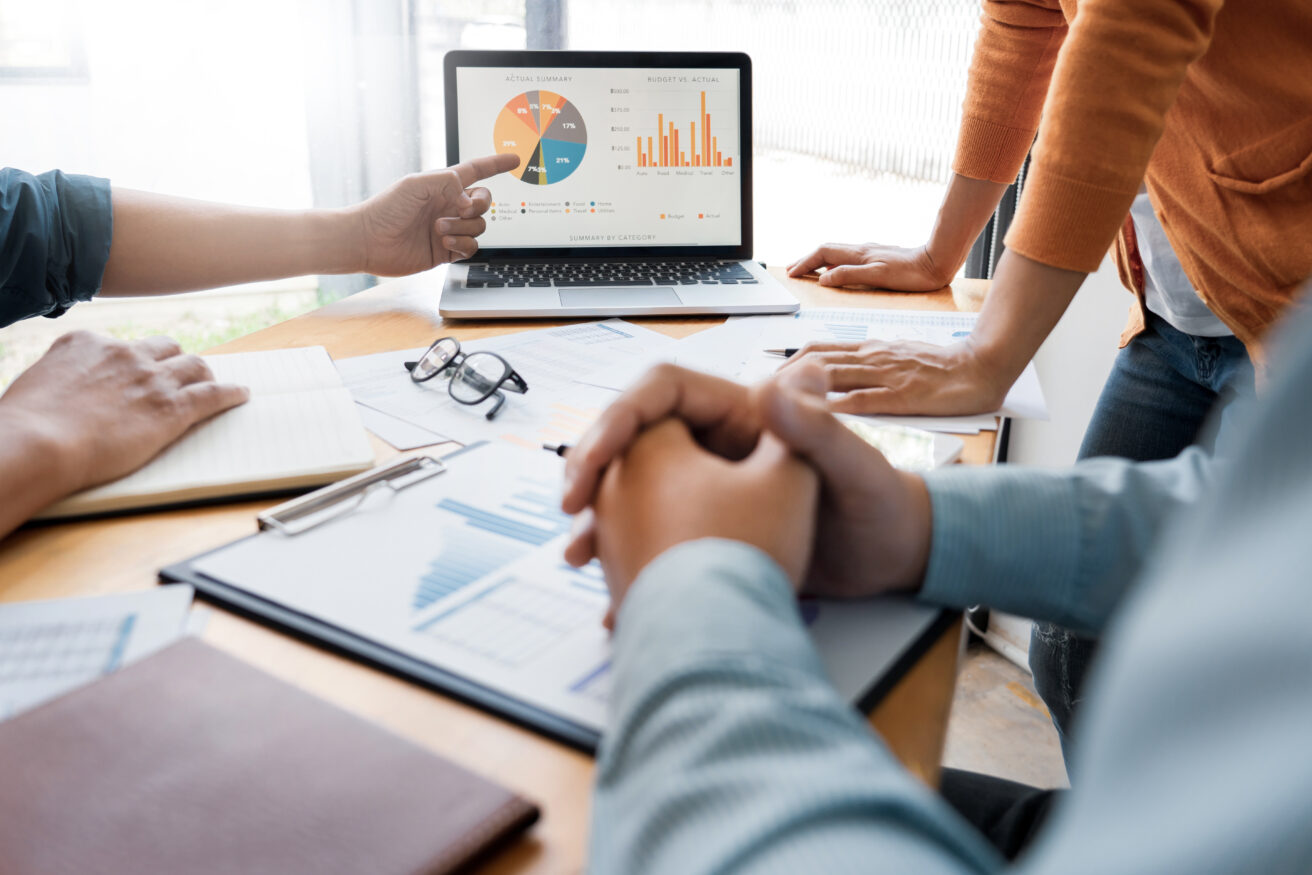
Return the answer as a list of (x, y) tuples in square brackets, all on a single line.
[(611, 157)]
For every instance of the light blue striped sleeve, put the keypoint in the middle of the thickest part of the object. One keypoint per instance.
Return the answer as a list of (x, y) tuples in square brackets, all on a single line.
[(729, 751), (1061, 546)]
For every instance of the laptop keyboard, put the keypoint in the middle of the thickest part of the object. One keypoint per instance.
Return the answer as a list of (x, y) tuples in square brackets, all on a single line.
[(616, 273)]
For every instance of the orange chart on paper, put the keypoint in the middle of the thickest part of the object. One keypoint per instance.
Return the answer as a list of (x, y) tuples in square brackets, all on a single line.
[(546, 132)]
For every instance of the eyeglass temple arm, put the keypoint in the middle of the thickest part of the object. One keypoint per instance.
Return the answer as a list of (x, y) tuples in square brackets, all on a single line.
[(515, 383), (496, 408)]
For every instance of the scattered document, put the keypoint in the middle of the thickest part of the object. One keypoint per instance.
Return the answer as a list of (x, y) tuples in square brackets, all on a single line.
[(298, 429), (736, 350), (49, 647), (723, 350), (573, 373), (464, 571), (400, 434)]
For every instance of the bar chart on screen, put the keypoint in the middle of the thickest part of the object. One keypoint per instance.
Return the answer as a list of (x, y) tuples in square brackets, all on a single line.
[(676, 144)]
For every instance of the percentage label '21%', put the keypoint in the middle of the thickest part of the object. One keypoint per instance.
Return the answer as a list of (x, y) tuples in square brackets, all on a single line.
[(546, 132)]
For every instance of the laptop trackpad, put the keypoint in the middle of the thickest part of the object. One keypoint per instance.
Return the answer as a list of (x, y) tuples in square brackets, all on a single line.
[(602, 298)]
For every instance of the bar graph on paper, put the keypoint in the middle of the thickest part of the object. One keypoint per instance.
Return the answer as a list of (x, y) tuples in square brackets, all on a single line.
[(859, 324), (64, 649), (477, 541)]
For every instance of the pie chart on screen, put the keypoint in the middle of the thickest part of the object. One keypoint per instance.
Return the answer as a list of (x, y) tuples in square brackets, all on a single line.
[(546, 132)]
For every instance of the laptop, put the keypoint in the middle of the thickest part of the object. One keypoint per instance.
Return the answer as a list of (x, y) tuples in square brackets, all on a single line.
[(633, 196)]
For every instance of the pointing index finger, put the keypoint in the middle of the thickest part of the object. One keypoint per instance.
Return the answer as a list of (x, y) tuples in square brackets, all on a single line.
[(475, 169)]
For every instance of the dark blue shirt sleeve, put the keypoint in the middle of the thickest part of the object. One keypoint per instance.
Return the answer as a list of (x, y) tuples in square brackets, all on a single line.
[(55, 231)]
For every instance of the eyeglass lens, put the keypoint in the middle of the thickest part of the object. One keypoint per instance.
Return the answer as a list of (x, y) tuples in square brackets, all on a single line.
[(437, 358), (478, 376)]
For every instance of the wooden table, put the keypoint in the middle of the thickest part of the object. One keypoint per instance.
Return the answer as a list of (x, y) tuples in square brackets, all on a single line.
[(124, 553)]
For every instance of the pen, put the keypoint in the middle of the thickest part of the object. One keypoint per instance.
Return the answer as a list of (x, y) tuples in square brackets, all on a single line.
[(786, 353), (558, 449)]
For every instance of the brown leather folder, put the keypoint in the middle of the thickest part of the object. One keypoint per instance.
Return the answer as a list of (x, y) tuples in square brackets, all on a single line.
[(193, 761)]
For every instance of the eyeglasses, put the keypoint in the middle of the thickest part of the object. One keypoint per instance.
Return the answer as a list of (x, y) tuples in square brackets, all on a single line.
[(476, 377)]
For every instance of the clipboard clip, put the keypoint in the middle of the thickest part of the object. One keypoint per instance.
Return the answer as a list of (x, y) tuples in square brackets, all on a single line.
[(318, 507)]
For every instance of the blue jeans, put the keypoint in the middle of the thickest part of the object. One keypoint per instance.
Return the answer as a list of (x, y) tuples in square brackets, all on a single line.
[(1156, 402)]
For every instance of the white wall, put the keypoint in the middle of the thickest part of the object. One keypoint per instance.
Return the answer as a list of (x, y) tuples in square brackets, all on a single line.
[(1073, 364)]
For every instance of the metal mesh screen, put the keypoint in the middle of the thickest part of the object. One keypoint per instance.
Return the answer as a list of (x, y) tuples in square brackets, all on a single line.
[(876, 86)]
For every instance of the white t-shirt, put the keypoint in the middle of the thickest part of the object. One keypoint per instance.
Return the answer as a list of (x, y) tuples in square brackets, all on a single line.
[(1167, 291)]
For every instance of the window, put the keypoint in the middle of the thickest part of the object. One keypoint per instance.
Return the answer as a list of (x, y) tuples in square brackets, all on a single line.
[(41, 41), (291, 104)]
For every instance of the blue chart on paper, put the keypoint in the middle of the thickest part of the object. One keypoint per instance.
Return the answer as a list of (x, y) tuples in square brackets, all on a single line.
[(590, 577), (465, 558), (479, 541), (847, 333), (595, 684)]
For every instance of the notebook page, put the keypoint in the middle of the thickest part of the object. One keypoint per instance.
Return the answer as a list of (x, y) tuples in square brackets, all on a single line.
[(277, 371), (266, 442)]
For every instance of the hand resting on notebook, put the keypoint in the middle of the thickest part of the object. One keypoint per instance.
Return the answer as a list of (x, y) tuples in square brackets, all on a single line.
[(93, 409)]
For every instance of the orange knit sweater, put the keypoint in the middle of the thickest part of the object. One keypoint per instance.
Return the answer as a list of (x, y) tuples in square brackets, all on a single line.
[(1208, 103)]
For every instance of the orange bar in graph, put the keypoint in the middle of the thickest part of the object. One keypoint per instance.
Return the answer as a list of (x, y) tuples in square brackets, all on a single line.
[(706, 131), (674, 147), (651, 156), (728, 162), (715, 150), (639, 151), (717, 160), (660, 134), (692, 140)]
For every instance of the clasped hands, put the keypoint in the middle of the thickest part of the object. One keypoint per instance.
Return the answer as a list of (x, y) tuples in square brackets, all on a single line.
[(683, 456)]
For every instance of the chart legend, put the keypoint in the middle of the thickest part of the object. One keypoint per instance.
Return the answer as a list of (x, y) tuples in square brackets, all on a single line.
[(547, 134)]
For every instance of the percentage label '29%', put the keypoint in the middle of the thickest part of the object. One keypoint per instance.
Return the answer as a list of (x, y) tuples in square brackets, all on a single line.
[(546, 132)]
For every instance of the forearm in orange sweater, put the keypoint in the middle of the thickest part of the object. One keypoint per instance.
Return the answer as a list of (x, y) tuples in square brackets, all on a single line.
[(1013, 62), (1116, 79)]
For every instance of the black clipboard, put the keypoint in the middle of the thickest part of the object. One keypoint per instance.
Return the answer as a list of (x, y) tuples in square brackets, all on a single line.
[(335, 639)]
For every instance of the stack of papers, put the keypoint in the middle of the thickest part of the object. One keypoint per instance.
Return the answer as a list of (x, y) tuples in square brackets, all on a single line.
[(575, 371)]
